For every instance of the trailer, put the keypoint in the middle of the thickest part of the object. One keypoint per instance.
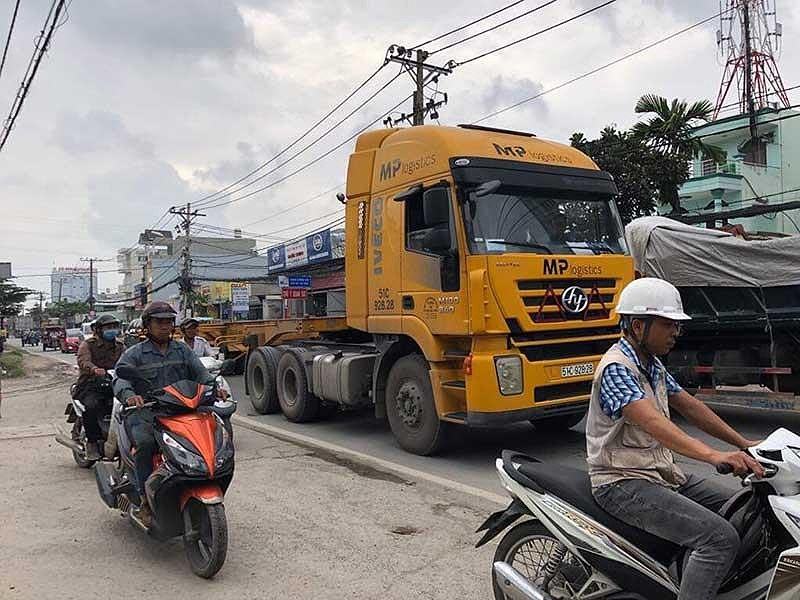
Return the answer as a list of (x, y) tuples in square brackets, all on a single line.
[(742, 347)]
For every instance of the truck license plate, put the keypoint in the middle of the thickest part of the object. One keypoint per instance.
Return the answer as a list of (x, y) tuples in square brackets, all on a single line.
[(578, 370)]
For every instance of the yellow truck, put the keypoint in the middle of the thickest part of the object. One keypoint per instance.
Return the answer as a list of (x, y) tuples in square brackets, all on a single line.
[(482, 271)]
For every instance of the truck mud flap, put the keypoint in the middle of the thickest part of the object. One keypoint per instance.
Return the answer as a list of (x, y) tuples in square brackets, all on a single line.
[(500, 520)]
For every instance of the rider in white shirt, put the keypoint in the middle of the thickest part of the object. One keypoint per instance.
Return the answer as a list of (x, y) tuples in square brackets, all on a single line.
[(196, 342)]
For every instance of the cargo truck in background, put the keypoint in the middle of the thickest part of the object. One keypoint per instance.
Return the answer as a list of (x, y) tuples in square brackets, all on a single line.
[(742, 347), (482, 269)]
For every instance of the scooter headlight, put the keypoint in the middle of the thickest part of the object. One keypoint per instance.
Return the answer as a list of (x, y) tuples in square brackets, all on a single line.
[(509, 374), (188, 461), (224, 443)]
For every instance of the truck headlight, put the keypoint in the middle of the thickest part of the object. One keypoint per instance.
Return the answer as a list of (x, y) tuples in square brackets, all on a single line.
[(509, 374)]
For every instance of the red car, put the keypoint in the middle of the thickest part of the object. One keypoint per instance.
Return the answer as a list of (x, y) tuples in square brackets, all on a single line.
[(71, 341)]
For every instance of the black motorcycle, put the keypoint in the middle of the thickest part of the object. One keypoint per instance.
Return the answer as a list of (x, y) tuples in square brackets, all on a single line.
[(76, 440)]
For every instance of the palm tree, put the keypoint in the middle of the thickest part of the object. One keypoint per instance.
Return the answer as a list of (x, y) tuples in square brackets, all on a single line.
[(670, 131)]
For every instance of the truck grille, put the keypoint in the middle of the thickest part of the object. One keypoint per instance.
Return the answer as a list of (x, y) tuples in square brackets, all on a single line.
[(542, 299), (562, 390)]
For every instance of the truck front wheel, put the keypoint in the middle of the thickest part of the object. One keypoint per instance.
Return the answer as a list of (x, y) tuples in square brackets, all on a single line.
[(298, 404), (411, 409)]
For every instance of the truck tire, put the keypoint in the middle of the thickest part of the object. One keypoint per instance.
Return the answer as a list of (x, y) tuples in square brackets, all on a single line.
[(261, 377), (297, 402), (411, 409)]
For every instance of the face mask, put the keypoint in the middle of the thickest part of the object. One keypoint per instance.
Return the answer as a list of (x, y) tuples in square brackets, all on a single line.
[(110, 335)]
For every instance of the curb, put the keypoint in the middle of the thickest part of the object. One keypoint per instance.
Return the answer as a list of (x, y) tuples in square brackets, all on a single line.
[(378, 464)]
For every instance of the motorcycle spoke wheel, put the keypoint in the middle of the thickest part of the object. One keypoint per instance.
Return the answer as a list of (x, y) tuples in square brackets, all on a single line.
[(527, 548)]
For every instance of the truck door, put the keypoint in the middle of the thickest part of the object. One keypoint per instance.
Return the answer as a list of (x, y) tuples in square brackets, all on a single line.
[(432, 262)]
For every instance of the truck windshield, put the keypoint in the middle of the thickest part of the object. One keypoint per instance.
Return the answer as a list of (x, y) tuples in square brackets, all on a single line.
[(515, 220)]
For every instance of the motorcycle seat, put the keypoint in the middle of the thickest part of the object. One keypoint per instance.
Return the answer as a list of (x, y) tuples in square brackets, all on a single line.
[(574, 487)]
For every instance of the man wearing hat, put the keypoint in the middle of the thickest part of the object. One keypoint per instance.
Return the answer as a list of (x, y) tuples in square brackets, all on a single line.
[(196, 342)]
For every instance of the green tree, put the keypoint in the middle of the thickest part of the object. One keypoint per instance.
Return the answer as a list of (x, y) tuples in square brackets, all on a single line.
[(12, 299), (670, 133), (65, 309), (633, 165)]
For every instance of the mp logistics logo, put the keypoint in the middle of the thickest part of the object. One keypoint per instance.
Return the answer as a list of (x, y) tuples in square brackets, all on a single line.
[(574, 300)]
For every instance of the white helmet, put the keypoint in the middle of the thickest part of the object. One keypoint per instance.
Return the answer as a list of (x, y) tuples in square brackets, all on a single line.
[(652, 297)]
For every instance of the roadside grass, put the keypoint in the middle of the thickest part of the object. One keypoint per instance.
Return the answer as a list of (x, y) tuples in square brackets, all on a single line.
[(11, 363)]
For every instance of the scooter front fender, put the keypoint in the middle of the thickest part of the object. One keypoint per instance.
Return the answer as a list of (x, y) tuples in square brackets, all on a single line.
[(207, 493)]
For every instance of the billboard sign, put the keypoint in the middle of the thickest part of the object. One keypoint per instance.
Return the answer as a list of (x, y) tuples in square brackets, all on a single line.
[(299, 281), (296, 254), (318, 246), (312, 249), (240, 297), (276, 259), (293, 293)]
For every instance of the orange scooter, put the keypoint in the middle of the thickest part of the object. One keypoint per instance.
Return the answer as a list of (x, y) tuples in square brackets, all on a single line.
[(192, 469)]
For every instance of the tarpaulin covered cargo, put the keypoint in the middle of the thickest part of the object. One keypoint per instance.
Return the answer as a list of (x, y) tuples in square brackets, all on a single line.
[(691, 256)]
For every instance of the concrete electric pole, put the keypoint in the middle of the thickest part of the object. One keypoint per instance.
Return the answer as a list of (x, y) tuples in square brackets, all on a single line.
[(187, 216), (91, 260), (423, 74)]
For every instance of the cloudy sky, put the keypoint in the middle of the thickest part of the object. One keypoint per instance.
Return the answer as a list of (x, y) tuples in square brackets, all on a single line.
[(142, 104)]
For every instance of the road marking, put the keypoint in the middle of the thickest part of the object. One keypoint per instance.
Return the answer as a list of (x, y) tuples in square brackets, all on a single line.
[(372, 461)]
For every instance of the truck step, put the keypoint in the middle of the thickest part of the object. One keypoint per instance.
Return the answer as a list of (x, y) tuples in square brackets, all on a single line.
[(455, 354), (455, 417), (455, 384)]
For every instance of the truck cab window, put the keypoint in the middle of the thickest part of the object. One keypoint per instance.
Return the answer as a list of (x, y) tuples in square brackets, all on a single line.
[(428, 222)]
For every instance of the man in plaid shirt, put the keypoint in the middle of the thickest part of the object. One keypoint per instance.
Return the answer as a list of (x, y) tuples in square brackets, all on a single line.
[(630, 440)]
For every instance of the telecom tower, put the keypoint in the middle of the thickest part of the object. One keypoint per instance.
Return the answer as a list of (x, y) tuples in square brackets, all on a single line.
[(749, 39)]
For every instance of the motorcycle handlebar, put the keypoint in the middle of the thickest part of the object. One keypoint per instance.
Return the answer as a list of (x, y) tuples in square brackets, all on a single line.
[(128, 409), (724, 469)]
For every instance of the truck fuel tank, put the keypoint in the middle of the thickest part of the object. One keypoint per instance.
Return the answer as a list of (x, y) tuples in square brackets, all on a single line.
[(343, 378)]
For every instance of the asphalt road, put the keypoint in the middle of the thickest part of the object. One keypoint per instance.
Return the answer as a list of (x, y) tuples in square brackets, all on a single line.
[(471, 458), (302, 524)]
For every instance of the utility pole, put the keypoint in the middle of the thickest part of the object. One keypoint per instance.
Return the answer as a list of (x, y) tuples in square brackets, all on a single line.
[(41, 309), (91, 260), (187, 216), (423, 74)]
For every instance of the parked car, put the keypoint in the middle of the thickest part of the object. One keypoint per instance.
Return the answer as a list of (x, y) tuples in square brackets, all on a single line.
[(71, 340)]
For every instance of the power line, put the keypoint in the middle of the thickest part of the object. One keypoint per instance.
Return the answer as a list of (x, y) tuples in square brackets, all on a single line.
[(533, 35), (303, 149), (8, 38), (596, 70), (470, 24), (216, 195), (314, 161), (494, 27), (303, 203), (30, 74)]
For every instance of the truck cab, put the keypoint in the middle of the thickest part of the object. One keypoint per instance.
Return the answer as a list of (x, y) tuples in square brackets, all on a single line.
[(493, 257)]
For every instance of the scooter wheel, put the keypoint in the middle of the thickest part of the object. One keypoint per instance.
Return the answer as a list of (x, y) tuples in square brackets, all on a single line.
[(207, 548), (527, 547)]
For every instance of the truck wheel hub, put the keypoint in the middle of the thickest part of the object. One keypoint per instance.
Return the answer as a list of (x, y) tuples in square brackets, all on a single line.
[(409, 404)]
